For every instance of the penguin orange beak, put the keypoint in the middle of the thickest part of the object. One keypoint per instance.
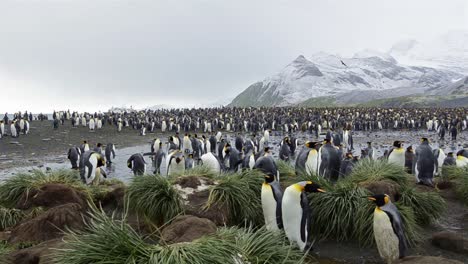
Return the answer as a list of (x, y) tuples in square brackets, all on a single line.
[(321, 190), (371, 198)]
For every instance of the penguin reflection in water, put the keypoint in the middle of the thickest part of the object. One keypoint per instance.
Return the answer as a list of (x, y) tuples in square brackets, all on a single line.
[(388, 229), (296, 215)]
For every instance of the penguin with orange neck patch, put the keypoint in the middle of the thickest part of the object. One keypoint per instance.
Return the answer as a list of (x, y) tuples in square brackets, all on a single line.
[(388, 229), (296, 212)]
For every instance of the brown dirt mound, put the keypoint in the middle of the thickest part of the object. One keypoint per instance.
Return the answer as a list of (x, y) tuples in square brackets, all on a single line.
[(383, 187), (48, 225), (192, 181), (51, 195), (38, 254), (114, 199), (187, 228), (428, 260), (195, 206)]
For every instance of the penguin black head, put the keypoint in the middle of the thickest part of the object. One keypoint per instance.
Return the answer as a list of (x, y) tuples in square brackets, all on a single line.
[(84, 141), (99, 145), (397, 144), (269, 178), (450, 154), (311, 187), (409, 149), (327, 140), (369, 143), (379, 199), (267, 149)]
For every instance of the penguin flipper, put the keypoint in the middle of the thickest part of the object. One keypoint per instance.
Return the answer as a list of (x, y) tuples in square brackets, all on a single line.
[(397, 226), (305, 219), (278, 195)]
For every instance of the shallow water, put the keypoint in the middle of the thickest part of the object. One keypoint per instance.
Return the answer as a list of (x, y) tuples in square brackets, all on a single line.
[(382, 141)]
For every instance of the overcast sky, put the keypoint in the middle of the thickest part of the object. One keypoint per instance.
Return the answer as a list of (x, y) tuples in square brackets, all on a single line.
[(92, 54)]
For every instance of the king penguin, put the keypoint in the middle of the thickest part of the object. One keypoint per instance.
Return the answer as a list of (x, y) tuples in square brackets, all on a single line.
[(90, 167), (175, 162), (271, 203), (137, 164), (461, 160), (388, 229), (211, 161), (396, 154), (440, 156), (424, 163), (267, 165), (110, 149), (74, 156), (296, 213)]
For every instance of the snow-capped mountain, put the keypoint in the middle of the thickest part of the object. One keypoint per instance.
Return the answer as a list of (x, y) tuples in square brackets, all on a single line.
[(448, 51), (326, 75)]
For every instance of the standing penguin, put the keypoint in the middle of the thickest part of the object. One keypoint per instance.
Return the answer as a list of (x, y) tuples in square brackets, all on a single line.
[(90, 167), (271, 203), (330, 161), (2, 128), (74, 156), (371, 151), (175, 162), (110, 149), (449, 160), (189, 162), (409, 158), (424, 163), (137, 164), (301, 159), (388, 229), (211, 161), (249, 159), (462, 160), (13, 130), (296, 213), (439, 156), (396, 154), (232, 158), (285, 151), (84, 147), (267, 165)]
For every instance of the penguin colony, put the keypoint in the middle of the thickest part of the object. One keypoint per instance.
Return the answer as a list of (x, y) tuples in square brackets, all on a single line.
[(286, 210)]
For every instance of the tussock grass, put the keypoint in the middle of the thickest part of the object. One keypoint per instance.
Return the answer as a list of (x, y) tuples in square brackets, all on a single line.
[(462, 189), (336, 213), (286, 170), (427, 206), (240, 192), (155, 198), (261, 246), (367, 170), (105, 240), (14, 187), (10, 217)]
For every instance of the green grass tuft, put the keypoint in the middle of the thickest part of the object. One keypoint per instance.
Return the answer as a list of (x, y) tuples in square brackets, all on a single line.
[(286, 170), (462, 189), (240, 192), (427, 206), (14, 187), (105, 240), (10, 217), (336, 214), (367, 170), (155, 198), (262, 246)]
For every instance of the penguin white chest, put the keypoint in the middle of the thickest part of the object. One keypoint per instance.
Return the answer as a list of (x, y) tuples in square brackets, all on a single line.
[(292, 216), (397, 157), (312, 162), (251, 161), (385, 238), (269, 207)]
